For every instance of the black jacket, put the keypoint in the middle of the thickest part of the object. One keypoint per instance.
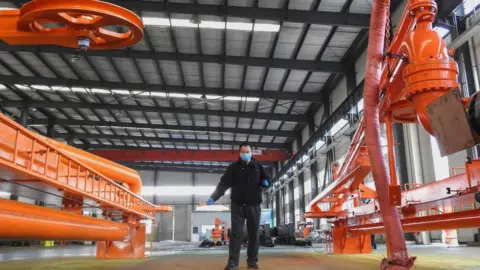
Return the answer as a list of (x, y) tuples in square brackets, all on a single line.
[(245, 180)]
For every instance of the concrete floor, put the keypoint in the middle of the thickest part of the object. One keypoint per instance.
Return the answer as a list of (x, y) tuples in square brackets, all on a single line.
[(278, 258)]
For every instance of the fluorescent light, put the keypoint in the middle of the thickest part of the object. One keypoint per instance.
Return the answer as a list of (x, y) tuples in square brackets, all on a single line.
[(213, 97), (2, 87), (121, 92), (158, 94), (233, 98), (442, 31), (79, 89), (141, 93), (319, 144), (60, 88), (360, 105), (337, 127), (100, 91), (176, 95), (240, 26), (41, 87), (22, 87), (194, 96), (266, 27), (469, 5)]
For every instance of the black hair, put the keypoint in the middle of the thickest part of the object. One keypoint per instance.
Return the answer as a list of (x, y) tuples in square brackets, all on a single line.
[(244, 144)]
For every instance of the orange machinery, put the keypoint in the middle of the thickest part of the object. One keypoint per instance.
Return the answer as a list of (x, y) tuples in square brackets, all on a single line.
[(414, 81), (221, 227), (39, 168)]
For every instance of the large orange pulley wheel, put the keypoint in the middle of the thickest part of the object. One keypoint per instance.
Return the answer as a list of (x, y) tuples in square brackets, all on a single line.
[(79, 24)]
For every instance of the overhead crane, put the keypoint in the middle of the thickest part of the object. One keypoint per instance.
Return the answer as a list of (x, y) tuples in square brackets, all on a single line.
[(43, 169), (413, 81)]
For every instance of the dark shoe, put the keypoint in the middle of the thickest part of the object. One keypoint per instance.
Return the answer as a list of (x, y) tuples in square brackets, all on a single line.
[(253, 267)]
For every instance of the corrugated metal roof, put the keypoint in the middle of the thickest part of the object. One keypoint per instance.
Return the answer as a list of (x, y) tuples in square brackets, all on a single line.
[(193, 60)]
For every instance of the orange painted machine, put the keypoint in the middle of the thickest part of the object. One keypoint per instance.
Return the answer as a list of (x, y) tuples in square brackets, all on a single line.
[(414, 81), (221, 228), (42, 169)]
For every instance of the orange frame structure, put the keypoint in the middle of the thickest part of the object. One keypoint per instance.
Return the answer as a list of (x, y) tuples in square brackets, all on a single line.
[(416, 70), (39, 168)]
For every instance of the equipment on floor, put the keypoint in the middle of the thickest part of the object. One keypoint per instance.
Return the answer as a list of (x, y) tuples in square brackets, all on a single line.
[(220, 233), (284, 234), (265, 237)]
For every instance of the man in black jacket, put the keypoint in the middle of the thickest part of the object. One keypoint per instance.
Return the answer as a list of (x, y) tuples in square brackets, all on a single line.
[(246, 177)]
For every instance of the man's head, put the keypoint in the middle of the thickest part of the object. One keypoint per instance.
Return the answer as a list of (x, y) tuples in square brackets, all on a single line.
[(245, 152)]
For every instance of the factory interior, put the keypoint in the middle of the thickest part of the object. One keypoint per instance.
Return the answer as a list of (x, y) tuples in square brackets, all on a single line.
[(120, 120)]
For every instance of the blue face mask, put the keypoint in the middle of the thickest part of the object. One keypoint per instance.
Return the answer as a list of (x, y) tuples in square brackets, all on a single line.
[(246, 157)]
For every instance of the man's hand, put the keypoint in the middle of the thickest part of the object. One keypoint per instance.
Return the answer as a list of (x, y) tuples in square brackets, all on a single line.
[(265, 183), (210, 201)]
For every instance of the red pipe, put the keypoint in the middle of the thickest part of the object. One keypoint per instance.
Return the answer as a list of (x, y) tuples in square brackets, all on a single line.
[(25, 221), (396, 246)]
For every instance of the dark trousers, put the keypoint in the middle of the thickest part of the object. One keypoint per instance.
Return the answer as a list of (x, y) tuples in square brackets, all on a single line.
[(240, 213), (374, 244)]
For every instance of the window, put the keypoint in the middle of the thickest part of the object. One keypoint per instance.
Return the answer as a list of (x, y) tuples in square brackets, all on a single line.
[(287, 200), (337, 127), (360, 105), (308, 186), (320, 178), (297, 215), (469, 6), (287, 218), (442, 31), (440, 163), (319, 144), (295, 193), (148, 223)]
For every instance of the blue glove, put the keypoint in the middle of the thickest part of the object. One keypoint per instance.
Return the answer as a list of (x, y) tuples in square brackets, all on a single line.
[(210, 201), (265, 183)]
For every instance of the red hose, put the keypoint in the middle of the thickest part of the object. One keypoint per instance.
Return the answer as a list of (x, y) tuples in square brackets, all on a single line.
[(396, 246)]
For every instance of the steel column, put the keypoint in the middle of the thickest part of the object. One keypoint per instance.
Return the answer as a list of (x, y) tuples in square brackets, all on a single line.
[(24, 116), (400, 154), (51, 128), (277, 208)]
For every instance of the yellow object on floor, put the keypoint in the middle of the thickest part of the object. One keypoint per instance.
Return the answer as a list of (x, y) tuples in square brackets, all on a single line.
[(49, 243)]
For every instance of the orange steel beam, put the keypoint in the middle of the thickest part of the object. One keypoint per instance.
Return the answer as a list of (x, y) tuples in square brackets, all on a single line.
[(25, 221), (185, 155), (447, 221)]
